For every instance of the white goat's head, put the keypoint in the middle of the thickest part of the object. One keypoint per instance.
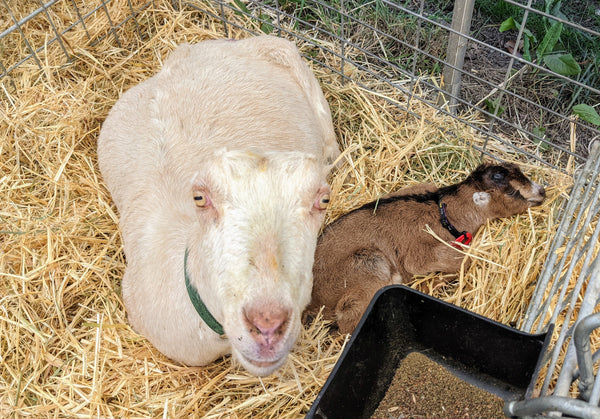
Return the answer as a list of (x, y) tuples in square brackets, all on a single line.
[(254, 219)]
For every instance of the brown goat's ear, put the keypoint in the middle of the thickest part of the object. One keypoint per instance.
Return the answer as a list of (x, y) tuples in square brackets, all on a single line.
[(481, 198)]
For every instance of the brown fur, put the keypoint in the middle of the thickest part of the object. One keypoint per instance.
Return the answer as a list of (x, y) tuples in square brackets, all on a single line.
[(385, 242)]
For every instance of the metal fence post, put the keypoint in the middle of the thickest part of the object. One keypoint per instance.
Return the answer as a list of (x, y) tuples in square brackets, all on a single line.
[(455, 54)]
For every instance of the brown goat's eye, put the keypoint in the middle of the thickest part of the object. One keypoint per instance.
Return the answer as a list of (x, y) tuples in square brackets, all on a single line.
[(498, 177)]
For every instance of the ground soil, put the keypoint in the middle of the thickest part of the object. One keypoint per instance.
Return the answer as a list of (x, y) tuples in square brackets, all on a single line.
[(530, 94), (422, 388)]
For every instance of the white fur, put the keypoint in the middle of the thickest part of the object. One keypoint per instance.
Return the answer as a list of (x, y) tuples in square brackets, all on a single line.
[(246, 122), (481, 199)]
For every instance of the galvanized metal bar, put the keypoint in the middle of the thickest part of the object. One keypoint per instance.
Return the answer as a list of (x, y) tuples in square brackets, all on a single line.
[(420, 19), (566, 230), (80, 19), (493, 48), (581, 338), (415, 57), (507, 73), (110, 22), (22, 21), (588, 304), (595, 395), (25, 40), (557, 18), (56, 33), (574, 240), (567, 405), (133, 15), (429, 85)]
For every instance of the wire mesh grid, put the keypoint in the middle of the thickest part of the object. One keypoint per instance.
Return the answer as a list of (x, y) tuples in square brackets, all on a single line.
[(527, 107), (404, 44), (36, 12), (575, 238), (395, 50)]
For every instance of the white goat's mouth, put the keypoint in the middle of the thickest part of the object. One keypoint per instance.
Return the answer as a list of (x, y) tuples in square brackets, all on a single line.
[(262, 367), (263, 364), (259, 355)]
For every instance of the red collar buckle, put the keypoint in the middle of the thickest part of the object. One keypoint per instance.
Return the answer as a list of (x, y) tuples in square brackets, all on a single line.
[(464, 238)]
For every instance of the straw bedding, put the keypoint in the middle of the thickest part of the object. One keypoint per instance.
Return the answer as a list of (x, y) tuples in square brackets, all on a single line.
[(66, 348)]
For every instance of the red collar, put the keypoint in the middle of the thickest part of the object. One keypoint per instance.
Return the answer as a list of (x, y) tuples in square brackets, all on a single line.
[(463, 237)]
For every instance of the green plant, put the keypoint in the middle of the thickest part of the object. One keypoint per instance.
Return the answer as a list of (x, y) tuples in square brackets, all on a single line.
[(552, 53), (558, 61), (497, 10), (540, 132), (266, 23), (494, 107), (587, 113)]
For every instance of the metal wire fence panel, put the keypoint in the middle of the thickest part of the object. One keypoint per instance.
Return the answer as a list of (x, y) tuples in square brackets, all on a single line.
[(59, 19), (527, 105), (520, 84)]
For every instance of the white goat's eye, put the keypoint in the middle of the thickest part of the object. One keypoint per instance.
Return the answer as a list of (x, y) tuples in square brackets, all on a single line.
[(201, 198), (323, 202)]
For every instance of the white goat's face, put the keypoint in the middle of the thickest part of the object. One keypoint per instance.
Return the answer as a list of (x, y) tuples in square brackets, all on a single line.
[(252, 246)]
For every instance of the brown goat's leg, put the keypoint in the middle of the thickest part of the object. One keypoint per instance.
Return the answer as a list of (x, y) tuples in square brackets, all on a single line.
[(441, 259), (352, 305), (451, 261)]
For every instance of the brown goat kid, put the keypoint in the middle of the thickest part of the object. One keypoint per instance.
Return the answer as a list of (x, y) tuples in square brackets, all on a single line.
[(384, 242)]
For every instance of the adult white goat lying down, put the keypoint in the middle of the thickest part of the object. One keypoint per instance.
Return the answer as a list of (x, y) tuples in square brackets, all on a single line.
[(217, 165)]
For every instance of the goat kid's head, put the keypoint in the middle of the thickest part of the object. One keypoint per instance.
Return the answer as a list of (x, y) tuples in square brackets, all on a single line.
[(251, 247), (504, 190)]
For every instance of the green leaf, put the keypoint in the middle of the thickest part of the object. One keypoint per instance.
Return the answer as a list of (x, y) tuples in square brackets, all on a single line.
[(561, 15), (550, 39), (563, 64), (540, 132), (526, 48), (242, 7), (508, 24), (267, 28), (529, 35), (528, 40), (556, 10), (553, 6), (587, 113), (492, 105)]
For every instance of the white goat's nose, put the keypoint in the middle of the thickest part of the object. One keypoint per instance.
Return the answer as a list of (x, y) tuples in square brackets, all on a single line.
[(267, 323)]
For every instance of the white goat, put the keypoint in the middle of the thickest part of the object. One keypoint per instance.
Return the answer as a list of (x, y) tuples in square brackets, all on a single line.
[(217, 165)]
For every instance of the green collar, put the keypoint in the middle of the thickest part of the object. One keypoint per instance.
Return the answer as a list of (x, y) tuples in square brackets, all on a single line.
[(198, 303)]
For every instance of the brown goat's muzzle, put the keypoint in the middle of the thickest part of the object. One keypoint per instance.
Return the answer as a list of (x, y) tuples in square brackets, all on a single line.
[(538, 195)]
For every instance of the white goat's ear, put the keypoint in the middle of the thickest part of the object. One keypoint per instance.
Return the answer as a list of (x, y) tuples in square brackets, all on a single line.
[(481, 198)]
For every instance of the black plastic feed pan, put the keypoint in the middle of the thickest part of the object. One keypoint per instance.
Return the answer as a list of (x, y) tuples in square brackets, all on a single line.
[(400, 320)]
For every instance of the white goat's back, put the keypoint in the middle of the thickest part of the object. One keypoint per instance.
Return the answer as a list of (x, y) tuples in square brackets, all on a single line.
[(255, 93)]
